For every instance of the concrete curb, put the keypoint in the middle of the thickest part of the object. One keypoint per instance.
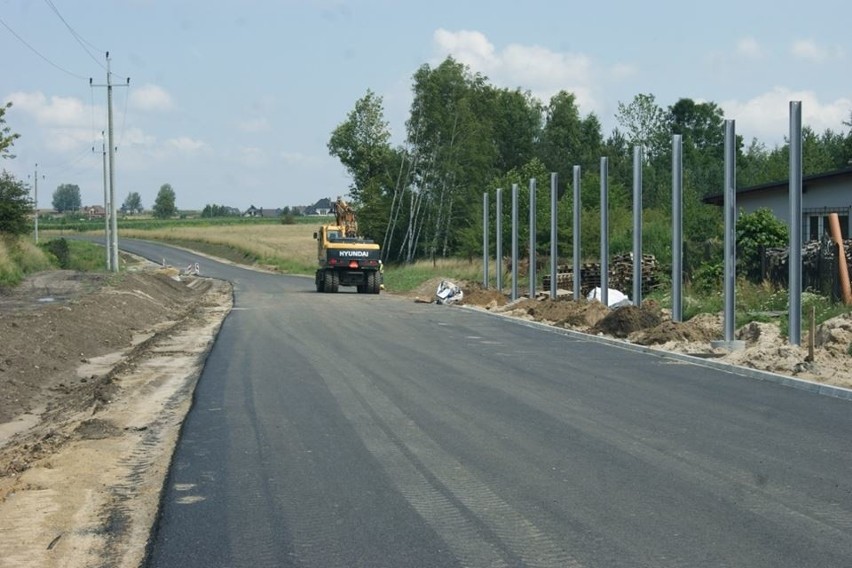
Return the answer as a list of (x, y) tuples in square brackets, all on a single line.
[(791, 382)]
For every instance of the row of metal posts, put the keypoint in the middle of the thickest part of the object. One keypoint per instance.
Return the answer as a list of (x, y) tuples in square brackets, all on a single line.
[(730, 210)]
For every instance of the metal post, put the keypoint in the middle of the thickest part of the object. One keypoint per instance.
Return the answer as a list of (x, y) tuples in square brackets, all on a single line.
[(107, 215), (605, 231), (577, 234), (730, 201), (637, 225), (533, 255), (485, 241), (795, 257), (554, 245), (35, 203), (499, 260), (677, 228), (514, 241), (113, 215)]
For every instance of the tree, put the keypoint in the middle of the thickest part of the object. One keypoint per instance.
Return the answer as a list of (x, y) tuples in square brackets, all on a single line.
[(568, 140), (212, 210), (164, 205), (361, 144), (760, 228), (67, 198), (15, 205), (132, 204), (7, 137), (644, 124)]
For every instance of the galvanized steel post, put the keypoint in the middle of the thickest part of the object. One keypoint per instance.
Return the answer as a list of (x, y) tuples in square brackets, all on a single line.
[(533, 255), (577, 233), (637, 225), (554, 245), (730, 201), (795, 257), (499, 260), (605, 231), (514, 241), (485, 241), (677, 228)]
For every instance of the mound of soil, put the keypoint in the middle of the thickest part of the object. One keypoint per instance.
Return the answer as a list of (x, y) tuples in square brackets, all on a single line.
[(625, 320)]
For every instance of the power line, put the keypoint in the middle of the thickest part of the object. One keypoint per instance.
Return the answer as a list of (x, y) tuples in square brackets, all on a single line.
[(34, 50), (78, 37)]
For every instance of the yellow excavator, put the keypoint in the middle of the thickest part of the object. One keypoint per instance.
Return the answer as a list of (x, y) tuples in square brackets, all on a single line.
[(345, 258)]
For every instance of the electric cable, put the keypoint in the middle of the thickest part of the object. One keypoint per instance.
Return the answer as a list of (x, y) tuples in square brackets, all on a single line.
[(34, 50), (78, 37)]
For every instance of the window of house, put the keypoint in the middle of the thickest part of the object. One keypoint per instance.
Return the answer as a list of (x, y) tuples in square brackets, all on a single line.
[(816, 222)]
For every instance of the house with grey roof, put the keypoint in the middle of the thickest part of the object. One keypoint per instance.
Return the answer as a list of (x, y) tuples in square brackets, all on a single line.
[(822, 194)]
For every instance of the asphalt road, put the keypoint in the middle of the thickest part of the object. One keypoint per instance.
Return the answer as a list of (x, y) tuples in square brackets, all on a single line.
[(356, 430)]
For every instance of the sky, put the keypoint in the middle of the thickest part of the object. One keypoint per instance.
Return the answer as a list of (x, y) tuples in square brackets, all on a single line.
[(233, 102)]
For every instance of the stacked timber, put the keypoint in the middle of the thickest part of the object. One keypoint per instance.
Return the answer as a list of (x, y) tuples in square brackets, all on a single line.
[(620, 274)]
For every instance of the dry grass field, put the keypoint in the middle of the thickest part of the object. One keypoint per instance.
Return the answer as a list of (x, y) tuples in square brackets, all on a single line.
[(288, 247)]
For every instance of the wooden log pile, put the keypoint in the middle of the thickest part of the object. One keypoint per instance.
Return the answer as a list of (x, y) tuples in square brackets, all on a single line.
[(819, 265), (620, 275)]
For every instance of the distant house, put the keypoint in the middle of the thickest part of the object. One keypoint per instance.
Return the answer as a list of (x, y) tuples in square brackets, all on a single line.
[(253, 211), (321, 207), (95, 212), (829, 192)]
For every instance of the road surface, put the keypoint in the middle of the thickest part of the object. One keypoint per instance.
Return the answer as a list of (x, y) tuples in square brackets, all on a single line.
[(355, 430)]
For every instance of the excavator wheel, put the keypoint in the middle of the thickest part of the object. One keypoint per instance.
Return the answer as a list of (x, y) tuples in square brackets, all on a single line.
[(335, 281), (328, 281), (373, 286)]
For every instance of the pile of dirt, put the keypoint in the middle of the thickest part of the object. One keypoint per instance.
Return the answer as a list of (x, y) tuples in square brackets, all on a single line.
[(476, 295), (88, 417), (701, 329), (561, 311), (625, 320), (57, 320)]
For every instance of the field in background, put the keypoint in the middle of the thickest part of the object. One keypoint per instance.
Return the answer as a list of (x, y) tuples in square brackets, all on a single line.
[(287, 248)]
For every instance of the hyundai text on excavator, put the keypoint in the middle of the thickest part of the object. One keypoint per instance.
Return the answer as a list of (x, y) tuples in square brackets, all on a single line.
[(345, 258)]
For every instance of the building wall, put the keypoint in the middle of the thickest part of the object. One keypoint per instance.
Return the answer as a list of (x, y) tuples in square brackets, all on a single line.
[(820, 198)]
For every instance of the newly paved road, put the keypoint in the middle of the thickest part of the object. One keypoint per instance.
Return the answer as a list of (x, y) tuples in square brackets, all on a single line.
[(353, 430)]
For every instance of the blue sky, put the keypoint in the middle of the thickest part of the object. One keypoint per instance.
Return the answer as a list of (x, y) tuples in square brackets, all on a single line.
[(233, 102)]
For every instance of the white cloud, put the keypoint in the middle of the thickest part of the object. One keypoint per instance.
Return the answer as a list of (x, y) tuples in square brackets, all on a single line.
[(810, 51), (766, 116), (186, 144), (53, 112), (151, 98), (535, 68), (749, 48)]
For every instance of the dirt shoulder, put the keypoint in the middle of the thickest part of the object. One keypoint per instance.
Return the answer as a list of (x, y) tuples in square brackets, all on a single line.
[(96, 376)]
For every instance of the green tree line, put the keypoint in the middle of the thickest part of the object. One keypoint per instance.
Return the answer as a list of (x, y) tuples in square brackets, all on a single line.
[(464, 136)]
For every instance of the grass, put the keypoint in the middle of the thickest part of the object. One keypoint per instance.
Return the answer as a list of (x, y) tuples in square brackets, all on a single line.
[(755, 302), (19, 256), (405, 278)]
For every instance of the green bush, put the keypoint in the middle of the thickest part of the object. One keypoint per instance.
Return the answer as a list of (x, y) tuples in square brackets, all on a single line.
[(59, 249)]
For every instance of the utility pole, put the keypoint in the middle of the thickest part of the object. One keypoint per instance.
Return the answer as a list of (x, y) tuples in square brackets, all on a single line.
[(113, 232), (35, 202), (107, 216)]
